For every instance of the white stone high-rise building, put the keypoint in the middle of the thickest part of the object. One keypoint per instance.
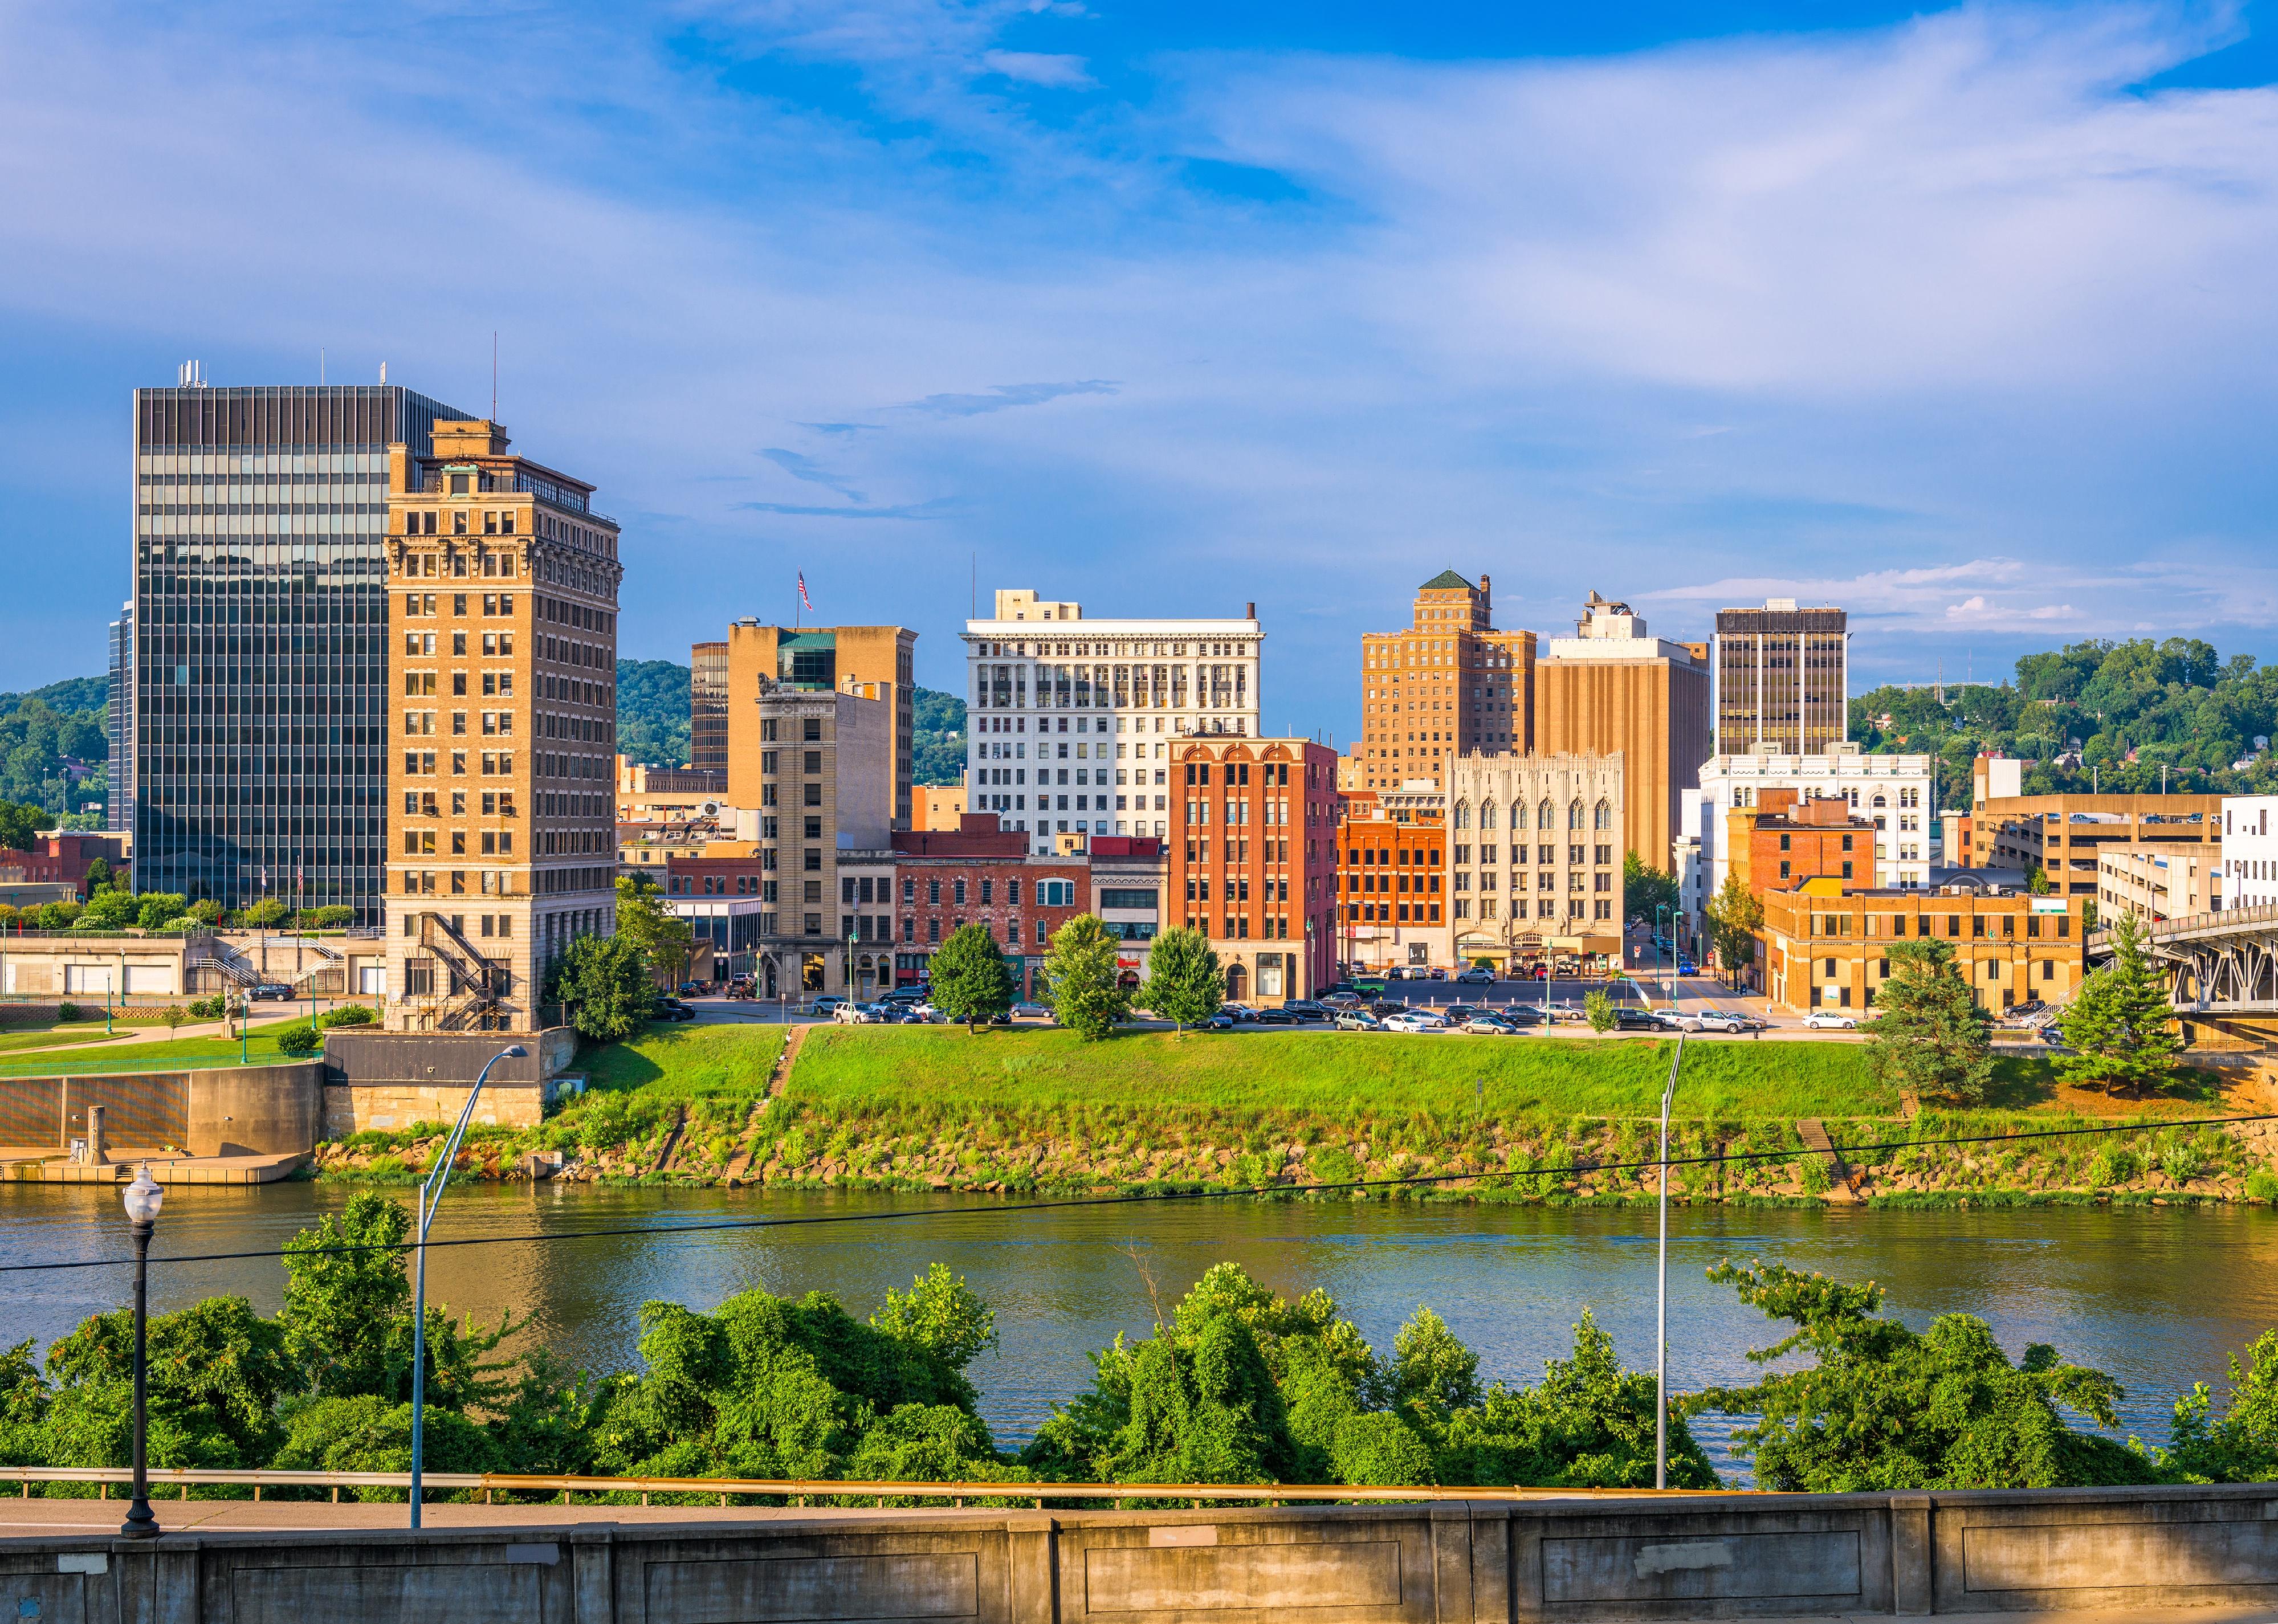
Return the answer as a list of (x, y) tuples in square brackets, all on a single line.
[(1892, 792), (1069, 722)]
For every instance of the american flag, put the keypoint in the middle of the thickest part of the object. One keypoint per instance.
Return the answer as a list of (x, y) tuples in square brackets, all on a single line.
[(803, 602)]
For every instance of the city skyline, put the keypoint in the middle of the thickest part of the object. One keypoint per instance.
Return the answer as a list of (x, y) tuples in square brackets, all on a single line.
[(1178, 312)]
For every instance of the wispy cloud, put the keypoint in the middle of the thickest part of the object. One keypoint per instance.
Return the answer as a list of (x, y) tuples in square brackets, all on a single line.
[(1055, 72), (939, 509), (1005, 395), (800, 466)]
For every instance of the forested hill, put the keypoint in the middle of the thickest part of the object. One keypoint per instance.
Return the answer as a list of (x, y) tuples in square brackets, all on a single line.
[(653, 722), (2097, 712), (54, 751)]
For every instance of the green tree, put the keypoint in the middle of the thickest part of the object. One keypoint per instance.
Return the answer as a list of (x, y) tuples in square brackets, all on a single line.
[(111, 910), (1886, 1408), (666, 941), (333, 916), (1085, 986), (98, 874), (1929, 1035), (1184, 983), (604, 981), (971, 982), (268, 912), (2037, 882), (1598, 1010), (346, 1290), (205, 912), (2120, 1024), (2241, 1447), (1647, 892), (217, 1373), (1735, 915), (20, 826), (159, 908)]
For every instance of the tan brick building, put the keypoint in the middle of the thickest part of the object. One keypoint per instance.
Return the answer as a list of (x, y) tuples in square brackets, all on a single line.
[(937, 806), (2158, 882), (882, 658), (1832, 951), (502, 592), (2065, 835), (1449, 683), (1534, 857), (823, 772), (1612, 689)]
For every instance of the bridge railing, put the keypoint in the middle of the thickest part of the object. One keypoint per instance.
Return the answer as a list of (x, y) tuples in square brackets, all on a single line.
[(2261, 913), (799, 1490)]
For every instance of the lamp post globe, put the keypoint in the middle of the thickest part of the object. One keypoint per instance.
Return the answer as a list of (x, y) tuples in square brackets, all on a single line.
[(143, 1198)]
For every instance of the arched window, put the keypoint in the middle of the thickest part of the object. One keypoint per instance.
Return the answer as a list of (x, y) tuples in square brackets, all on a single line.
[(1463, 814), (1602, 816), (1881, 800), (1486, 814), (1574, 813), (1545, 816)]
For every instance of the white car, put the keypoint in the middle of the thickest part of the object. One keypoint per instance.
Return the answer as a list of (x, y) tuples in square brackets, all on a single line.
[(1830, 1020), (1415, 1020), (1722, 1020)]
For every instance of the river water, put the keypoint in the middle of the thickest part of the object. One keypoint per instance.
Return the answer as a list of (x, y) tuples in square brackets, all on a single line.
[(2157, 1298)]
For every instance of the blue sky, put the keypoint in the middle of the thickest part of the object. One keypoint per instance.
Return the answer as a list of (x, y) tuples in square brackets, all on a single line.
[(1961, 319)]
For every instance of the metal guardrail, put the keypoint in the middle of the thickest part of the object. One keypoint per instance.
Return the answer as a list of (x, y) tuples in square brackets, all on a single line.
[(803, 1489)]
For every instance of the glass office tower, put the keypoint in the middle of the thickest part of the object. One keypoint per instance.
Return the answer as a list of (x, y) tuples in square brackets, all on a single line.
[(259, 639), (118, 717)]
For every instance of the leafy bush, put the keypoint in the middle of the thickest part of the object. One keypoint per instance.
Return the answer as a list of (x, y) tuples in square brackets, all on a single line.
[(2262, 1185), (347, 1015), (68, 1012), (300, 1038), (2183, 1160), (208, 1008), (2114, 1164)]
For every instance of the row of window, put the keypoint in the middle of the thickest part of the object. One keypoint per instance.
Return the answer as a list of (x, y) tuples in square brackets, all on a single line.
[(423, 803), (488, 882), (495, 724), (1603, 853), (495, 643), (1926, 925), (421, 842), (1596, 908)]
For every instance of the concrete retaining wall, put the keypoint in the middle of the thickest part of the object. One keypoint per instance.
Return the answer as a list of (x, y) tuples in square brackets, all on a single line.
[(389, 1080), (2155, 1553), (208, 1111)]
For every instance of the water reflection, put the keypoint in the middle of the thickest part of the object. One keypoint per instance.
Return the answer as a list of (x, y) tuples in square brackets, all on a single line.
[(2158, 1299)]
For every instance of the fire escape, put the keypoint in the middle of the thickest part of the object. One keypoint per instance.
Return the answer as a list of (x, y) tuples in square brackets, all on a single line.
[(469, 1001)]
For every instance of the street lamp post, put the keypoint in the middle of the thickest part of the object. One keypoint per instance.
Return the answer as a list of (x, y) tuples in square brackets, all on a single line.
[(430, 1194), (143, 1198), (1661, 953), (1661, 1293)]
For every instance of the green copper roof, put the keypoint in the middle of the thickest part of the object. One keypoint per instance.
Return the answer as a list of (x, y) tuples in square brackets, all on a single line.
[(1445, 578)]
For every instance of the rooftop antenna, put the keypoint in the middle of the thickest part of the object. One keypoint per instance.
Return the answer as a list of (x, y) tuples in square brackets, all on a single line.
[(383, 371), (493, 375), (320, 366)]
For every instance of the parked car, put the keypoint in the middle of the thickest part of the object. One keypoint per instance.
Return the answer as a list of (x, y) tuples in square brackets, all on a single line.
[(856, 1015), (1218, 1021), (273, 989), (1339, 989), (1722, 1020), (1685, 966), (692, 989), (670, 1010), (1278, 1017), (1435, 973), (1358, 1020), (1829, 1020), (1522, 1014), (824, 1003), (1415, 1020), (899, 1015), (1486, 1024), (1629, 1020), (1237, 1011), (1306, 1010), (1347, 1000), (1025, 1011), (1476, 976), (1369, 985)]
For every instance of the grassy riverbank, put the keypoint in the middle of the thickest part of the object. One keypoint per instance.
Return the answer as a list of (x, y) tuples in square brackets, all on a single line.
[(1530, 1119)]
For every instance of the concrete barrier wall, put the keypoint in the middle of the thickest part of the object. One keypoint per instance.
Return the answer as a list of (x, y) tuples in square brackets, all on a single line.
[(208, 1111), (2157, 1553), (255, 1110)]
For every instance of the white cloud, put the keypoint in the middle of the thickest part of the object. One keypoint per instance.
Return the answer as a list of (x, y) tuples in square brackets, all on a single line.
[(1058, 72)]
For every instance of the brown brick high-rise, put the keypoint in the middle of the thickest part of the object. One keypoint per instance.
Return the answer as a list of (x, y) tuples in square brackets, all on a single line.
[(502, 594), (1449, 684)]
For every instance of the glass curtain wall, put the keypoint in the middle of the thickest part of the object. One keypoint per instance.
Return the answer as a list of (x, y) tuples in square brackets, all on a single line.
[(259, 640)]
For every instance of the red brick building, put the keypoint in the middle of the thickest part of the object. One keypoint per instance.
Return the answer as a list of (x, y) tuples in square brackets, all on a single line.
[(1253, 860), (1389, 875), (1818, 837), (979, 874), (61, 859)]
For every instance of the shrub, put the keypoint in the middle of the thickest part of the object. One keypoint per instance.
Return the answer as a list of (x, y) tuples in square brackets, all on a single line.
[(208, 1008), (347, 1015), (300, 1038), (2262, 1185), (68, 1012), (2114, 1164), (2184, 1160)]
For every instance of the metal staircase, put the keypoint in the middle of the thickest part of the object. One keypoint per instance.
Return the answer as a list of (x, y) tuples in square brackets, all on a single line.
[(471, 1001), (227, 961)]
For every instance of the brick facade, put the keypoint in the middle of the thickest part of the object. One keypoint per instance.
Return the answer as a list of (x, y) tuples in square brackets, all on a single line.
[(1253, 860)]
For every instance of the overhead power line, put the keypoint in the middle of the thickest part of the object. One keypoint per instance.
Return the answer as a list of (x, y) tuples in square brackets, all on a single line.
[(1141, 1197)]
